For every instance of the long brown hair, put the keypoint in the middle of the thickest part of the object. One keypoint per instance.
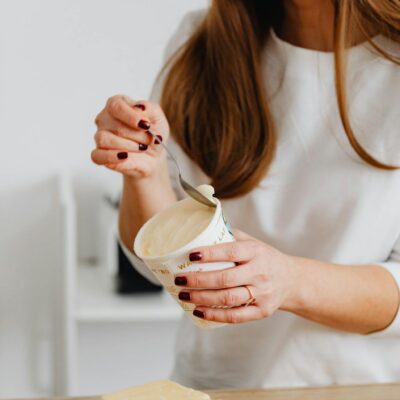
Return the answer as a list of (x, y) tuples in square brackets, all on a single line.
[(214, 95)]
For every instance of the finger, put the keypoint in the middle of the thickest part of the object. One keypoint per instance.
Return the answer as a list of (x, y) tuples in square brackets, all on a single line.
[(234, 251), (133, 117), (107, 123), (222, 279), (122, 111), (143, 105), (138, 164), (103, 157), (235, 315), (107, 140), (152, 111), (227, 297), (125, 132)]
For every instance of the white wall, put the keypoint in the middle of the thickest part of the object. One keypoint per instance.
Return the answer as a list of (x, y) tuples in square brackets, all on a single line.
[(59, 61)]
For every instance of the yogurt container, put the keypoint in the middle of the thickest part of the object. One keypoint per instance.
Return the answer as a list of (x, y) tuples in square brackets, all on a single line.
[(165, 241)]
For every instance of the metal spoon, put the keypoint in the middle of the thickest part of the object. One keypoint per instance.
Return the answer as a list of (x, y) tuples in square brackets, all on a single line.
[(188, 188)]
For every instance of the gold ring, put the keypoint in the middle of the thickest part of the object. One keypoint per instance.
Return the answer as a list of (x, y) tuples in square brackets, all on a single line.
[(252, 299)]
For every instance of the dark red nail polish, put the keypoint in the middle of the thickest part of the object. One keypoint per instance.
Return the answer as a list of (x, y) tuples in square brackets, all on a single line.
[(143, 124), (198, 314), (122, 156), (184, 296), (180, 281), (195, 256), (158, 140), (141, 106), (143, 147)]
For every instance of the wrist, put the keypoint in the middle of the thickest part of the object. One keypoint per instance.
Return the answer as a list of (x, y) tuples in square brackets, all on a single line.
[(139, 183), (150, 193), (296, 298)]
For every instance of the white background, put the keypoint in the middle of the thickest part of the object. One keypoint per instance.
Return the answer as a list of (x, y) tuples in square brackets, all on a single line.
[(59, 62)]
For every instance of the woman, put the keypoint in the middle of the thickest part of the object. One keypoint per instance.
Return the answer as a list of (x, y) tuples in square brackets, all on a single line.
[(291, 110)]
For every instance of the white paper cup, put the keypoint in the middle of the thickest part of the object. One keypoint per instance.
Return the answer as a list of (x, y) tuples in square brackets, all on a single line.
[(167, 266)]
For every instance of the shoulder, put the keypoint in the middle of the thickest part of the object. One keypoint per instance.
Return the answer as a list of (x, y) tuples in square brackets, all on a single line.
[(181, 34), (374, 99), (188, 24)]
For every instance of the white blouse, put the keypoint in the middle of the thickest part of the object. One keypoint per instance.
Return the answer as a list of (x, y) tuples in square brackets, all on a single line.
[(319, 200)]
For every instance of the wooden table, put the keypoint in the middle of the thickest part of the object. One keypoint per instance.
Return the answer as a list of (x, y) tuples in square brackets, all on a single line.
[(366, 392)]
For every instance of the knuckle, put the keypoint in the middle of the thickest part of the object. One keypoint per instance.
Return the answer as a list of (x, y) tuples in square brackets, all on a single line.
[(115, 106), (194, 280), (232, 317), (120, 130), (229, 299), (225, 279), (113, 98), (93, 156), (262, 277), (97, 119), (101, 139), (233, 252)]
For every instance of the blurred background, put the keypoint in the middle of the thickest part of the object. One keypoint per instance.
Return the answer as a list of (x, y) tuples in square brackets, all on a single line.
[(64, 329)]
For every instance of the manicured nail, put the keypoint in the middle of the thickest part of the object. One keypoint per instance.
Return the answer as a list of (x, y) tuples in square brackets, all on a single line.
[(180, 281), (198, 314), (143, 124), (158, 140), (195, 256), (143, 147), (184, 296), (141, 106), (122, 156)]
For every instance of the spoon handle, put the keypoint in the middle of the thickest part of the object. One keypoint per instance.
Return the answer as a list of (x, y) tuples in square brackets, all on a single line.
[(187, 187), (167, 150)]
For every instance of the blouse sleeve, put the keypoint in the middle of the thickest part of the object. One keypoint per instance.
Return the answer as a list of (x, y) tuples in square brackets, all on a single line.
[(392, 265), (179, 37)]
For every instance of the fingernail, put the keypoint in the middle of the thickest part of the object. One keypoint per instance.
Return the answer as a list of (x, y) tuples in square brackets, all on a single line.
[(158, 140), (143, 147), (198, 314), (122, 156), (141, 106), (184, 296), (143, 124), (195, 256), (180, 281)]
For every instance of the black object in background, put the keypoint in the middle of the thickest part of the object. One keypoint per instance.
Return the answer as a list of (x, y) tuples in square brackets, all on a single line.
[(128, 280)]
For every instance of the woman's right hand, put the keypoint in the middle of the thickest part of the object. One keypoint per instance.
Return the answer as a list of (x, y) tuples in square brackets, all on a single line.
[(122, 143)]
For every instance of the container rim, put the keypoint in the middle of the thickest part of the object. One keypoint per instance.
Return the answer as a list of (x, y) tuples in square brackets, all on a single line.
[(178, 252)]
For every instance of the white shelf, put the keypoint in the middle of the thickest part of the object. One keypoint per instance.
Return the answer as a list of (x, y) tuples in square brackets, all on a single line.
[(97, 302)]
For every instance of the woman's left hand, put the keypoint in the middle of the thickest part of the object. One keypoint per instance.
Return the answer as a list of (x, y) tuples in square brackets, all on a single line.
[(262, 272)]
